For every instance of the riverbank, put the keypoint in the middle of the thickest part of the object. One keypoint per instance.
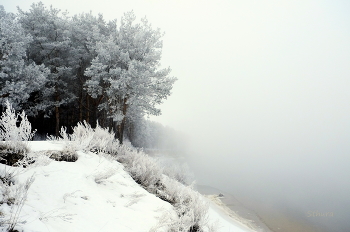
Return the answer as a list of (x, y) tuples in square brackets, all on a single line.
[(233, 208), (259, 217)]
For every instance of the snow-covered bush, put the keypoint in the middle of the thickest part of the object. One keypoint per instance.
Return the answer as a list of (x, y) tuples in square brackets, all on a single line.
[(7, 195), (12, 152), (142, 168), (9, 131), (86, 138), (81, 137), (78, 140), (15, 137), (13, 195), (20, 197), (103, 140), (190, 207)]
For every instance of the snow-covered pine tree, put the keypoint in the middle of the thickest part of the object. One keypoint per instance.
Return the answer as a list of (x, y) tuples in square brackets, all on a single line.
[(50, 46), (85, 31), (126, 73), (19, 78)]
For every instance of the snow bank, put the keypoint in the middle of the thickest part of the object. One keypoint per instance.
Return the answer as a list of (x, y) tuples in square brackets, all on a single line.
[(90, 195)]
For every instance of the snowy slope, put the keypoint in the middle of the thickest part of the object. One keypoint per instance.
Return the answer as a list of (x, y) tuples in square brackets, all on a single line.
[(90, 195)]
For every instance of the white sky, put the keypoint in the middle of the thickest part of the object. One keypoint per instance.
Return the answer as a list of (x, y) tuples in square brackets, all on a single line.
[(256, 79), (245, 63)]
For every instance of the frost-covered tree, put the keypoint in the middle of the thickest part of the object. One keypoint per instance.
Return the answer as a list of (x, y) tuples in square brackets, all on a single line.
[(126, 73), (85, 31), (62, 69), (19, 78), (50, 46)]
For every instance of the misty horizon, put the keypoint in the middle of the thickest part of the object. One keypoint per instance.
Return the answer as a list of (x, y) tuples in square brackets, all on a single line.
[(262, 95)]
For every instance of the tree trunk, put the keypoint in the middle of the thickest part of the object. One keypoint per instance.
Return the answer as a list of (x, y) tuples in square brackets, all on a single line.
[(81, 106), (88, 109), (57, 113), (120, 132)]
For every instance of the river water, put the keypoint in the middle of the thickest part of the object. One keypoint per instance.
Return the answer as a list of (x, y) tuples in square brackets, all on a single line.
[(289, 194), (287, 199)]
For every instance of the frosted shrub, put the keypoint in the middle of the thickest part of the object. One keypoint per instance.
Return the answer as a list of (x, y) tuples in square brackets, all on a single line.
[(64, 136), (189, 204), (122, 150), (84, 137), (15, 147), (83, 131), (13, 152), (190, 207), (142, 168), (173, 190), (7, 195), (78, 140), (196, 210), (20, 198), (12, 197), (103, 140), (8, 126)]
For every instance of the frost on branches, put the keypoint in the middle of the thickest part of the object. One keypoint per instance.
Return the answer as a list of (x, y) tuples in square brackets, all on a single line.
[(15, 131), (18, 77), (9, 131), (126, 72), (62, 70)]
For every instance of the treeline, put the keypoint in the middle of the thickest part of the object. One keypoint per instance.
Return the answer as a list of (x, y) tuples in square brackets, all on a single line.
[(157, 138), (64, 69)]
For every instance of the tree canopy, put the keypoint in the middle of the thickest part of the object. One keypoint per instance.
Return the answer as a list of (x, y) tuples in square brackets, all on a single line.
[(64, 69)]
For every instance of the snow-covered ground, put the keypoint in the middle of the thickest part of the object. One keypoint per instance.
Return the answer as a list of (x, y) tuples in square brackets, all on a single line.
[(93, 194)]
